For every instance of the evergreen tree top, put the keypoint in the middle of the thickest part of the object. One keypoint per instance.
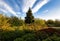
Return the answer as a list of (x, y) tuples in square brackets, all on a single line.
[(29, 10)]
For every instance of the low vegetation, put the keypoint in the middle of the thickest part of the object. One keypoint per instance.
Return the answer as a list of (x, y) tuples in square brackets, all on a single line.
[(15, 29)]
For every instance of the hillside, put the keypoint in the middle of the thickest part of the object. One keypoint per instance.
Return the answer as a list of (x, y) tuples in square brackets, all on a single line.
[(48, 34)]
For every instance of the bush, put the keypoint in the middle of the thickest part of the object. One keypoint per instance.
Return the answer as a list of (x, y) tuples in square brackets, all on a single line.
[(48, 39), (57, 23), (29, 37), (50, 23), (54, 37), (18, 39), (11, 35), (14, 21), (40, 22)]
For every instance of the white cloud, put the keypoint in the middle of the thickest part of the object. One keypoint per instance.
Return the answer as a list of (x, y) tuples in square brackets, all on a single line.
[(27, 4), (52, 14), (7, 7), (3, 10), (45, 11), (39, 5), (18, 13)]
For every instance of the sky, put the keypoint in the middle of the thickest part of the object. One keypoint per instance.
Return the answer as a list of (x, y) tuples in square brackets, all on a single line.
[(43, 9)]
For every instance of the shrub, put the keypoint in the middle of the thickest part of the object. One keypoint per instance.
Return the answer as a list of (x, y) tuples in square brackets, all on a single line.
[(50, 23), (18, 39), (29, 37), (40, 22), (14, 21), (48, 39)]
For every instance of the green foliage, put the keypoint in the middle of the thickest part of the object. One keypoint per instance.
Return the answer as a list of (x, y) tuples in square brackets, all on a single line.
[(10, 35), (14, 21), (18, 39), (28, 36), (40, 22), (54, 37), (48, 39), (50, 23), (57, 23)]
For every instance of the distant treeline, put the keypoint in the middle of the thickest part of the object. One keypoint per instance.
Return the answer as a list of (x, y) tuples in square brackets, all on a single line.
[(53, 23), (14, 21)]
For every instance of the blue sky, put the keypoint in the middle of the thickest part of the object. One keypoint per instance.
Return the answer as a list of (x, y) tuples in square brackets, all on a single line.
[(43, 9)]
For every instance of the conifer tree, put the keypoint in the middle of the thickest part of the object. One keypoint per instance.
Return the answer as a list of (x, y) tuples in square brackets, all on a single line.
[(29, 17)]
